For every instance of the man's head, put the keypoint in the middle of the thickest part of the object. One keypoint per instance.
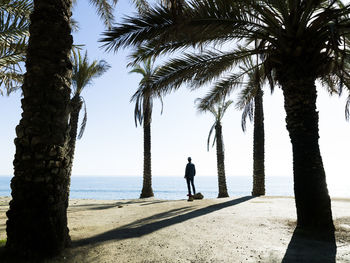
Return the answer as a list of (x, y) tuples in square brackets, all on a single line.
[(189, 159)]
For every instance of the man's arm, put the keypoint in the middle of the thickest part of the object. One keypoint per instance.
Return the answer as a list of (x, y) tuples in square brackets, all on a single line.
[(194, 170)]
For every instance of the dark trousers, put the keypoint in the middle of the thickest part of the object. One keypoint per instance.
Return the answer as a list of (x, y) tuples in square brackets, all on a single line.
[(190, 180)]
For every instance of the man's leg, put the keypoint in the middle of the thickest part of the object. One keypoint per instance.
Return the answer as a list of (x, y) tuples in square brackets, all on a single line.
[(194, 189), (188, 186)]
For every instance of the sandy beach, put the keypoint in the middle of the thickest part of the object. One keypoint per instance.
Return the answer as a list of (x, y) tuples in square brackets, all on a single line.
[(236, 229)]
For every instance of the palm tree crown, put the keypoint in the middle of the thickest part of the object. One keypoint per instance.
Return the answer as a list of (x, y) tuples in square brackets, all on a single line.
[(278, 26), (218, 110), (83, 74), (143, 97)]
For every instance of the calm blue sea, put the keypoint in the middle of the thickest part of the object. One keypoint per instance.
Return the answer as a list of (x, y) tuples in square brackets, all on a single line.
[(172, 187)]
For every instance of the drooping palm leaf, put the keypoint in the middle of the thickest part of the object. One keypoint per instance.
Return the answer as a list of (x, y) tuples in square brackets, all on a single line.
[(144, 95), (83, 74), (218, 110)]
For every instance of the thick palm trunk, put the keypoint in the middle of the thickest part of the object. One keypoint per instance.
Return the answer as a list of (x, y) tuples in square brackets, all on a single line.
[(37, 218), (259, 146), (147, 172), (220, 158), (310, 188)]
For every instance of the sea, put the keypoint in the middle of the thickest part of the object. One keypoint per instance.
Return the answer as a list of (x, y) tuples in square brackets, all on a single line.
[(173, 187)]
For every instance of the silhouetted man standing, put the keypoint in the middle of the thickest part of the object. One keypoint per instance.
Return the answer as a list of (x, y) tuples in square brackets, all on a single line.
[(189, 175)]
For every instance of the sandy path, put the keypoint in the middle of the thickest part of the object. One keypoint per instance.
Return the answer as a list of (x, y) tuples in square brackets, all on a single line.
[(241, 229)]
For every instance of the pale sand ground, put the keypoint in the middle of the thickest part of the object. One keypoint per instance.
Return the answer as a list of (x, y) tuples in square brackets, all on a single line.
[(241, 229)]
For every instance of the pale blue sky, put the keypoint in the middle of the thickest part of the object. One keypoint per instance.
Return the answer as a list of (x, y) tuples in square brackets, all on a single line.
[(112, 145)]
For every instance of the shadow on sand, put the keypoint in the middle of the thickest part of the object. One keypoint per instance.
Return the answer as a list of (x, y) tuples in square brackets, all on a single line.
[(305, 249), (93, 206), (148, 225)]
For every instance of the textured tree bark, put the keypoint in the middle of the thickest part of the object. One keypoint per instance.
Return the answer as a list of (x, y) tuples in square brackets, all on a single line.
[(147, 171), (259, 146), (220, 158), (37, 218), (311, 194), (75, 105)]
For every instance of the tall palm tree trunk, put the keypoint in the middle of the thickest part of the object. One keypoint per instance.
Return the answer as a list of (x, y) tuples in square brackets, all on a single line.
[(147, 171), (259, 146), (37, 218), (220, 158), (310, 188), (76, 105)]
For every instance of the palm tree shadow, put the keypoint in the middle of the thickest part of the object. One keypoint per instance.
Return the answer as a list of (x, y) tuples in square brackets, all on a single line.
[(151, 224), (305, 249)]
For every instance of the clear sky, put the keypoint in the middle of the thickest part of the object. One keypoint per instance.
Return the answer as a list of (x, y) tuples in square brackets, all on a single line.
[(112, 145)]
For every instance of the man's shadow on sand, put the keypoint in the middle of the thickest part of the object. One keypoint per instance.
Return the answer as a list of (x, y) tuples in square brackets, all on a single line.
[(148, 225), (304, 248)]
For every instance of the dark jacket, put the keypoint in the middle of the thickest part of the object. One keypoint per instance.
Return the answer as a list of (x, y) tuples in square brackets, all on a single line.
[(190, 170)]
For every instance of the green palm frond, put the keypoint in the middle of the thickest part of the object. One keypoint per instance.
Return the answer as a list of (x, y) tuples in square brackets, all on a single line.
[(197, 69), (145, 94), (226, 85), (209, 136), (247, 112), (224, 108), (83, 74), (215, 22), (250, 89), (14, 20), (12, 81), (347, 108), (14, 32), (104, 9), (284, 33), (84, 121), (12, 54), (218, 110), (141, 5)]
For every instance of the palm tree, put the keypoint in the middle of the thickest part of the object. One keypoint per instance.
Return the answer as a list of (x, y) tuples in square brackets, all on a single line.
[(218, 112), (299, 42), (143, 99), (14, 29), (83, 74), (251, 102), (258, 145), (37, 218)]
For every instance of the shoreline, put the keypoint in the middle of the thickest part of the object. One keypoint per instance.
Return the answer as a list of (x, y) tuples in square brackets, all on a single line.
[(236, 229), (345, 199)]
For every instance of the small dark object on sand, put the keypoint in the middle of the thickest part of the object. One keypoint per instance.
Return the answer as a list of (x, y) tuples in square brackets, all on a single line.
[(198, 196), (190, 198)]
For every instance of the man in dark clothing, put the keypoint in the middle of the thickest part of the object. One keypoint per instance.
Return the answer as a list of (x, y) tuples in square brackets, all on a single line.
[(189, 175)]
